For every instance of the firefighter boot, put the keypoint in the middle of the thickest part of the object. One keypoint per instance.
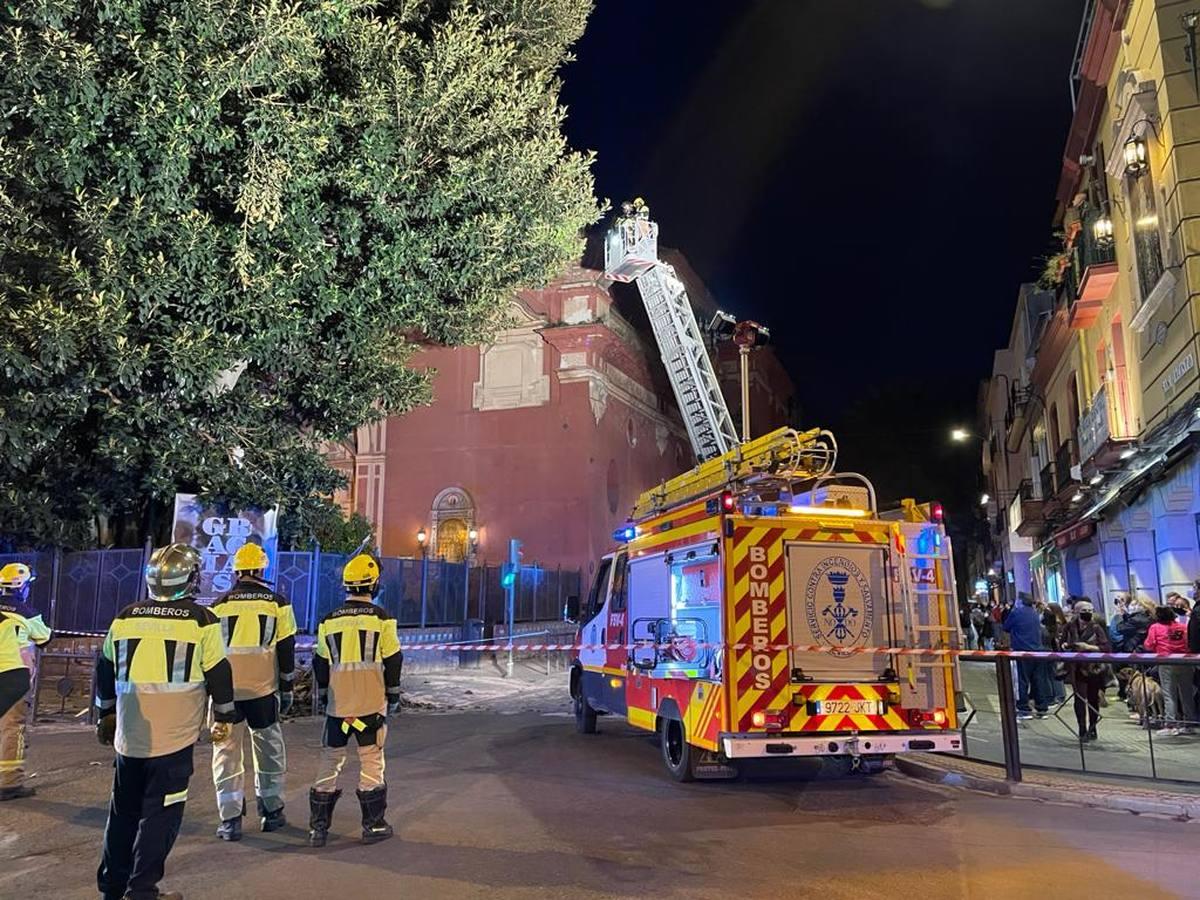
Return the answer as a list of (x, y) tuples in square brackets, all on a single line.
[(374, 805), (163, 895), (320, 804), (230, 829), (19, 792), (270, 819)]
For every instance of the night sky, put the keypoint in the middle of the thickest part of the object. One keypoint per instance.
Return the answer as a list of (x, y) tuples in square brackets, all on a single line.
[(871, 179)]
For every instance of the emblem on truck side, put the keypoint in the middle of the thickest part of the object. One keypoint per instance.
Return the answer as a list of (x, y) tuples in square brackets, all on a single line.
[(838, 604)]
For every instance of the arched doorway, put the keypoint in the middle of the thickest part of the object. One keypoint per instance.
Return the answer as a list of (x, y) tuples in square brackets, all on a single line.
[(452, 518)]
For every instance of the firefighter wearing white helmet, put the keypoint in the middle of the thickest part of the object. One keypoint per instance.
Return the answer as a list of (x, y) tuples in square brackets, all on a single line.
[(162, 660), (20, 626), (356, 663), (258, 629)]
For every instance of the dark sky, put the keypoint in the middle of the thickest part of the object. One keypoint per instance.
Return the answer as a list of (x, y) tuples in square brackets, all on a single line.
[(872, 179)]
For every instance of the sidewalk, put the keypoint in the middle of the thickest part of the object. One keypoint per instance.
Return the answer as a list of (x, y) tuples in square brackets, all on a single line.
[(1180, 802)]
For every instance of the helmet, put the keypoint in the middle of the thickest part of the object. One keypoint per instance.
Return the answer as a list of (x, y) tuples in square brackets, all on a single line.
[(250, 558), (173, 572), (15, 577), (361, 575)]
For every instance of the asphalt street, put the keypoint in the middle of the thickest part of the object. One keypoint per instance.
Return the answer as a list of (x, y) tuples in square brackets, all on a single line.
[(511, 806)]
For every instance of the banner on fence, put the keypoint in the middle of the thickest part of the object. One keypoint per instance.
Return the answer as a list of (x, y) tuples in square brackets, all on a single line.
[(218, 533)]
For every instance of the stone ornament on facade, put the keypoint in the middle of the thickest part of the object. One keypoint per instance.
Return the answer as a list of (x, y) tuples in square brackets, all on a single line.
[(512, 368)]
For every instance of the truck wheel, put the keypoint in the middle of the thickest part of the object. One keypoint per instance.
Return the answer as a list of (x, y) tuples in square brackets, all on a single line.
[(585, 716), (678, 754)]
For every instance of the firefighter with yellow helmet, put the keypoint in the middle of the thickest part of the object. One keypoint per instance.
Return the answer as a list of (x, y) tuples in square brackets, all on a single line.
[(356, 663), (162, 659), (20, 626), (258, 629)]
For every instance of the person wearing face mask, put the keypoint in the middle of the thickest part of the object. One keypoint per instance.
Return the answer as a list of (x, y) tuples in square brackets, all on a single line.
[(1167, 636), (1084, 634)]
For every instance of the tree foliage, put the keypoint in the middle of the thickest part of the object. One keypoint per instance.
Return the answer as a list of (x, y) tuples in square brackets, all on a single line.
[(304, 187)]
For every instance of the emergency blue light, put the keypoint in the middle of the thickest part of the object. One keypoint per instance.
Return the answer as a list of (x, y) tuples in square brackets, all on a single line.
[(625, 534)]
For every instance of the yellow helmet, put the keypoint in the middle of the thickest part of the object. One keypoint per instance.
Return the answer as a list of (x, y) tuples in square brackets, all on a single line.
[(250, 558), (173, 572), (14, 577), (361, 575)]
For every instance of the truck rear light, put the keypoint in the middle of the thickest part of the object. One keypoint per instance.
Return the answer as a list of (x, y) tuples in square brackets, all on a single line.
[(728, 501), (921, 717), (772, 720)]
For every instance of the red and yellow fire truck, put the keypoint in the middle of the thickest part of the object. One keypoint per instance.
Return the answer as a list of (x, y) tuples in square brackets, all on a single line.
[(760, 606)]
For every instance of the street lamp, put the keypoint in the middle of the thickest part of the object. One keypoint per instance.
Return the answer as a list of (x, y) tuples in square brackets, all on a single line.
[(1135, 157), (958, 435), (422, 538), (984, 500), (1102, 230)]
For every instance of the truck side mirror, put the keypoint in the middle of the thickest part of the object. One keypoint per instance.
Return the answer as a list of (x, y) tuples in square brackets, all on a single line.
[(571, 610)]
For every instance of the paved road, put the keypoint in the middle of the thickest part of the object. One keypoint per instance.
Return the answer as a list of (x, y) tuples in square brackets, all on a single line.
[(514, 806), (1122, 749)]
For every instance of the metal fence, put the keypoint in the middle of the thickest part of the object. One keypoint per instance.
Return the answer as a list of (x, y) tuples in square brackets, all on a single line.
[(1160, 742), (83, 591)]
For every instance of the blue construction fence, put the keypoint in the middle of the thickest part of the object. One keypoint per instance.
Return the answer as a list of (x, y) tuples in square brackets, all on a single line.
[(82, 591)]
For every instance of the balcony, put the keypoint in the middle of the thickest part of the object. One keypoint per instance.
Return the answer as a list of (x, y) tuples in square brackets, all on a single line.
[(1091, 274), (1064, 460), (1025, 513), (1047, 482), (1104, 430)]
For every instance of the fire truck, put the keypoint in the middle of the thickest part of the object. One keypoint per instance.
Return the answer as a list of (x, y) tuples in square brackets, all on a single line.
[(760, 605)]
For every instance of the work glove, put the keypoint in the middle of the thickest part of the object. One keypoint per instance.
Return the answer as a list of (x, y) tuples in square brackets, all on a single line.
[(286, 698), (106, 729), (220, 732)]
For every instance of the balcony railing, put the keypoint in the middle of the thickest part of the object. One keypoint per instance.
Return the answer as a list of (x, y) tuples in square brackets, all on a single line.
[(1047, 481), (1064, 459), (1091, 274), (1104, 422)]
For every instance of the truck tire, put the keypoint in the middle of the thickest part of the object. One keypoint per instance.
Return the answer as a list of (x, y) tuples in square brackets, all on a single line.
[(678, 755), (585, 716)]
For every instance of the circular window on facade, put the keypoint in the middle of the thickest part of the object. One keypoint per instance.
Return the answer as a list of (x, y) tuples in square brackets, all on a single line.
[(614, 486)]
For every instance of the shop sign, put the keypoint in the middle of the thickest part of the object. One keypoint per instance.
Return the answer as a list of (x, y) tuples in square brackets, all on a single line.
[(1074, 534)]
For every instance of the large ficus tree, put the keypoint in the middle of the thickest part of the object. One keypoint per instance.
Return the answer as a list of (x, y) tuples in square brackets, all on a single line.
[(291, 193)]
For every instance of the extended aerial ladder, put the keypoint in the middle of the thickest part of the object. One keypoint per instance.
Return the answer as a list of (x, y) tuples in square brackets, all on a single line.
[(631, 255)]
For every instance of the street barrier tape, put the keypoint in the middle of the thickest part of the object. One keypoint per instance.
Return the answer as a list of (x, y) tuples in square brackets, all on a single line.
[(502, 646)]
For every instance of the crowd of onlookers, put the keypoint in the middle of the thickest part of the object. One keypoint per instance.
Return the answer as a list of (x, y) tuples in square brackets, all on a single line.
[(1162, 696)]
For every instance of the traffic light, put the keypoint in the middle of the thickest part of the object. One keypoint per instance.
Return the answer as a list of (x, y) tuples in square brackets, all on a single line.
[(510, 569)]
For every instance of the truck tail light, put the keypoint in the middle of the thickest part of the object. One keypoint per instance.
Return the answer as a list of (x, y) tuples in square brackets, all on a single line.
[(919, 718), (772, 720)]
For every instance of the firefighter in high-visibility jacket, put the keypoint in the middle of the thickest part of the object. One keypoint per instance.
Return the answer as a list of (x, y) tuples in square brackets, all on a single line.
[(20, 626), (356, 663), (259, 631), (162, 660)]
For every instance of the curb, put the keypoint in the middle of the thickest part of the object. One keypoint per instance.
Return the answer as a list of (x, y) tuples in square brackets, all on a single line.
[(1139, 804), (934, 775)]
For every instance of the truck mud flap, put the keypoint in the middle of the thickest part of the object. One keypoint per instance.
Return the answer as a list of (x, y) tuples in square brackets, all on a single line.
[(713, 766)]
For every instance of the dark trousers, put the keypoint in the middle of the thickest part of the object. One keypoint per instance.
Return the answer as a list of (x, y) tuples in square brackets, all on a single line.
[(144, 816), (1033, 680), (1087, 699)]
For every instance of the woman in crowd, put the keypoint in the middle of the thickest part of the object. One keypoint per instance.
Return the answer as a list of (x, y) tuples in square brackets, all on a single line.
[(1054, 620), (1084, 633), (1167, 636)]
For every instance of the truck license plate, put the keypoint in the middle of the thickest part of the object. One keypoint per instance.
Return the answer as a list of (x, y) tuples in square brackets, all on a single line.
[(848, 707)]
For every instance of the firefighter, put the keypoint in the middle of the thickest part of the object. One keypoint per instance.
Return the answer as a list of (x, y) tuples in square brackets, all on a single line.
[(20, 626), (259, 631), (162, 659), (356, 663)]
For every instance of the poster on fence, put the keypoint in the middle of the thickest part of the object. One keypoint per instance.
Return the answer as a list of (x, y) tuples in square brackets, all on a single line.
[(217, 533)]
